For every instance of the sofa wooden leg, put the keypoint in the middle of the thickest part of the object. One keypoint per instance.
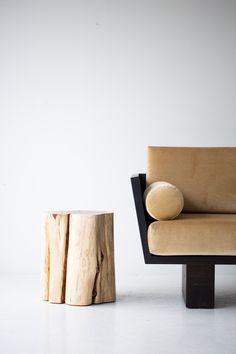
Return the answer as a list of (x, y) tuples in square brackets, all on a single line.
[(198, 285)]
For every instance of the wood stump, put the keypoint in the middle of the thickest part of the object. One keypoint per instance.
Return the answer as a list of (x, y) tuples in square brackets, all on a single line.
[(78, 259)]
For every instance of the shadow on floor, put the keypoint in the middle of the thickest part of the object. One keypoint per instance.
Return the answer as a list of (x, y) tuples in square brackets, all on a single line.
[(225, 299), (157, 299)]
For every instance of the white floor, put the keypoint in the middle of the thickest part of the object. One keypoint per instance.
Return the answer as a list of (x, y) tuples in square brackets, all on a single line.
[(148, 317)]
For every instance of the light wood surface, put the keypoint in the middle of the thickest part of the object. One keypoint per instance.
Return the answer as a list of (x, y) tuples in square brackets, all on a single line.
[(90, 265), (55, 257), (46, 259), (78, 258)]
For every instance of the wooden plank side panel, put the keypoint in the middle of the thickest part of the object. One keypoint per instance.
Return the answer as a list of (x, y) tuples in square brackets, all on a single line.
[(90, 265), (46, 259), (55, 255), (82, 259), (104, 288)]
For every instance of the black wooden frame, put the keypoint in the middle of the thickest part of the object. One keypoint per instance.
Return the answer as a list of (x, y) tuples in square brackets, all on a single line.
[(189, 262)]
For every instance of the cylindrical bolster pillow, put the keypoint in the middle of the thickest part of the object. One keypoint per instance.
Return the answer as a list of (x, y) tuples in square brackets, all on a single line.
[(163, 200)]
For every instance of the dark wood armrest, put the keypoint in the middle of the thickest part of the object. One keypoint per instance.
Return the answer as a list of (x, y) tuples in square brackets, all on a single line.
[(138, 182)]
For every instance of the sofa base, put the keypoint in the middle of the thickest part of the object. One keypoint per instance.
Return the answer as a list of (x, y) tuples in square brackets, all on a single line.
[(198, 285)]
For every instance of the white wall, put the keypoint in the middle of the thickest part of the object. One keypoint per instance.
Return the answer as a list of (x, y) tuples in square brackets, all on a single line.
[(85, 87)]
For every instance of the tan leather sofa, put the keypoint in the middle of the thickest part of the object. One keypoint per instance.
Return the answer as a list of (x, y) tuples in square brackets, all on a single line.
[(204, 234)]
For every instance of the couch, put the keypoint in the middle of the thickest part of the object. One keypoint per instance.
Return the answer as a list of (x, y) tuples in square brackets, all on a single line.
[(204, 234)]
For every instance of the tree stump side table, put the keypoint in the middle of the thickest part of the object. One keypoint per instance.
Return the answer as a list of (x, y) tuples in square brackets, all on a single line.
[(78, 258)]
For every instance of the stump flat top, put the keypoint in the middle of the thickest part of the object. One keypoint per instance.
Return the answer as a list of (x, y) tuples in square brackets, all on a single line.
[(85, 212)]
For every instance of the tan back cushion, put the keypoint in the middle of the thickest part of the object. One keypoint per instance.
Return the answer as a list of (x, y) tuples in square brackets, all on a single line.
[(205, 176)]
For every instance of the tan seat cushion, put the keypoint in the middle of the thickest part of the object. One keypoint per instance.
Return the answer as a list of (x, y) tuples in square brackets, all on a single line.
[(163, 200), (194, 234), (205, 176)]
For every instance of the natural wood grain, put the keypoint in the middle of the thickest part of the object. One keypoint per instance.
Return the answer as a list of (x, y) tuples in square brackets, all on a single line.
[(55, 257), (90, 265), (46, 259), (104, 289), (79, 256)]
